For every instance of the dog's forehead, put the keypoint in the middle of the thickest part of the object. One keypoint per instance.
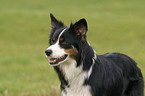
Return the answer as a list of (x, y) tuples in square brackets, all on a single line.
[(58, 33)]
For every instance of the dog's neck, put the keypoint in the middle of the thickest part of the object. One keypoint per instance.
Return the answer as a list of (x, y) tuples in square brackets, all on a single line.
[(73, 75), (70, 69), (86, 55)]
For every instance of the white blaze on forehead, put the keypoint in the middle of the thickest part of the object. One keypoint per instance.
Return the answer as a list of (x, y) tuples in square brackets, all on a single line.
[(57, 51), (61, 33)]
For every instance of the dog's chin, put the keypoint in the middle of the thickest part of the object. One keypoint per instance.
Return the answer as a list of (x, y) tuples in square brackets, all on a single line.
[(57, 61)]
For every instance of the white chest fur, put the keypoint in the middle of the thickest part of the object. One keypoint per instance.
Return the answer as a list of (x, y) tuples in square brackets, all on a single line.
[(75, 77)]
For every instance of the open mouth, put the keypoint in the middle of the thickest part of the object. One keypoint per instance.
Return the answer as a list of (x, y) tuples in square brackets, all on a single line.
[(56, 61)]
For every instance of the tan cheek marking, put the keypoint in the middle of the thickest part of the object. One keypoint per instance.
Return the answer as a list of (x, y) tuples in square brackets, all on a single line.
[(73, 52)]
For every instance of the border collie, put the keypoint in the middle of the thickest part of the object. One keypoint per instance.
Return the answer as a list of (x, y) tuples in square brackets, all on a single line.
[(82, 72)]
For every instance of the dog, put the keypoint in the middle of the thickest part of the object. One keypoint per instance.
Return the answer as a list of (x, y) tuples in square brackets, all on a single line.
[(82, 72)]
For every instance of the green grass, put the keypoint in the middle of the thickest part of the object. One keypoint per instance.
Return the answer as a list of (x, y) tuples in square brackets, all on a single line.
[(114, 26)]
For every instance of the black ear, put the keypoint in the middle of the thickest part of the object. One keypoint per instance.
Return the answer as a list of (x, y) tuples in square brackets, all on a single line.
[(54, 22), (80, 28)]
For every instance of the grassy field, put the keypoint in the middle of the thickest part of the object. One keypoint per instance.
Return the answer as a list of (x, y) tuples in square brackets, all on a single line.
[(114, 26)]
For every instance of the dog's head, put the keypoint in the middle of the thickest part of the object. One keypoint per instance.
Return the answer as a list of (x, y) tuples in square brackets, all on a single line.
[(65, 42)]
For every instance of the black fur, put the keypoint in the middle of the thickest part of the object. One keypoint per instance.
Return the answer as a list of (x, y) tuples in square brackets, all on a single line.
[(116, 74), (64, 82), (113, 74)]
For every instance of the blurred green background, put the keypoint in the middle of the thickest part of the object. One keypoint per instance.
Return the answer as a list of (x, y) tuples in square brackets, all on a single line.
[(114, 26)]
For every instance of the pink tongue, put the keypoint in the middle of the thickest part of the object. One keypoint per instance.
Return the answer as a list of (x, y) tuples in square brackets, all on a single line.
[(51, 61)]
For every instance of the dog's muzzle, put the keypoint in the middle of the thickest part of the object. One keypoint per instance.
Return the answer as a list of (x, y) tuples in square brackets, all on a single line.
[(55, 61)]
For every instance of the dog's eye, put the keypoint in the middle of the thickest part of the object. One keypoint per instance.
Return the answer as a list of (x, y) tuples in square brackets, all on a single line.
[(51, 42), (63, 42)]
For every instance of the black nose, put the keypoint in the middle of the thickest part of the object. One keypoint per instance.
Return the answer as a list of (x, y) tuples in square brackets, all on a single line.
[(48, 52)]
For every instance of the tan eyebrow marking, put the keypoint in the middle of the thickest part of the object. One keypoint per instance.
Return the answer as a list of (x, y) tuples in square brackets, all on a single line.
[(61, 39), (53, 39)]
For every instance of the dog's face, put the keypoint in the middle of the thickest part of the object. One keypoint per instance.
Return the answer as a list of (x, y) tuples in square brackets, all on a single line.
[(65, 41)]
